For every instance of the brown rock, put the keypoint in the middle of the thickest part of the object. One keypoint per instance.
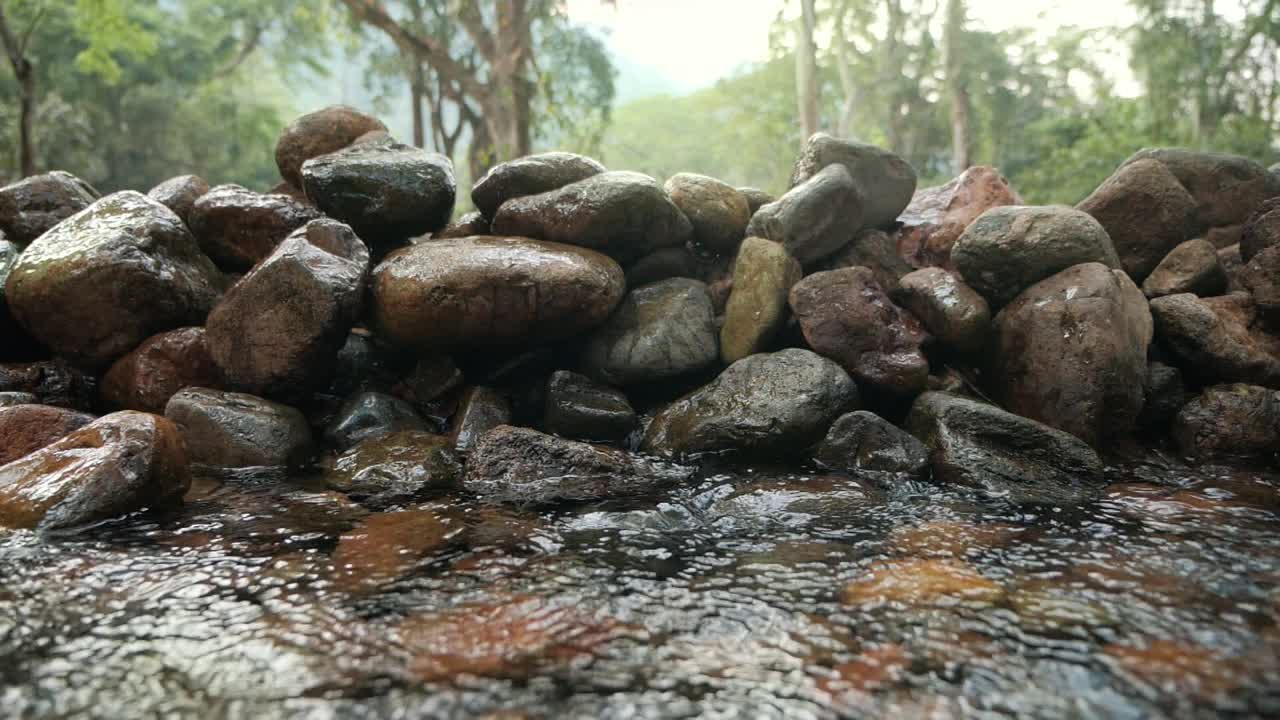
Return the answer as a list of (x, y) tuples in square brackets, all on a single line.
[(27, 428), (1192, 267), (936, 216), (397, 468), (1233, 267), (30, 207), (480, 410), (1217, 340), (530, 175), (874, 249), (1229, 420), (386, 546), (224, 429), (146, 378), (1261, 277), (1226, 188), (238, 227), (179, 194), (52, 382), (1146, 211), (950, 310), (1224, 235), (1261, 230), (922, 583), (319, 133), (472, 223), (756, 198), (718, 212)]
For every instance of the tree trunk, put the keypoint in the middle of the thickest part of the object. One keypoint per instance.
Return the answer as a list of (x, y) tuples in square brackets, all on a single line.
[(806, 71), (417, 88), (957, 86), (25, 74), (891, 70)]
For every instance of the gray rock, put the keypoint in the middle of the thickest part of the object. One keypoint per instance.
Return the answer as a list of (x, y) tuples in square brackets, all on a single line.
[(1192, 267), (763, 275), (480, 410), (1226, 188), (226, 429), (1235, 420), (815, 218), (320, 133), (1217, 340), (580, 408), (370, 415), (395, 469), (1164, 395), (868, 446), (432, 377), (530, 175), (238, 227), (9, 399), (660, 331), (717, 211), (886, 180), (1145, 211), (179, 194), (32, 206), (951, 311)]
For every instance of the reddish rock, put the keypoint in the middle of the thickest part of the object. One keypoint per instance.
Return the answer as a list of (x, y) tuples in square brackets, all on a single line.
[(1229, 420), (954, 312), (386, 546), (237, 227), (320, 133), (27, 428), (179, 194), (936, 216), (1218, 339), (922, 583), (1192, 267), (146, 378)]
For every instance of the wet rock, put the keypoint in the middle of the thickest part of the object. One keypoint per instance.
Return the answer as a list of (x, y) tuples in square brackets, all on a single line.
[(395, 469), (756, 198), (763, 275), (950, 310), (1217, 339), (179, 194), (1071, 352), (480, 410), (9, 399), (951, 538), (767, 404), (866, 445), (52, 382), (31, 207), (320, 133), (663, 264), (387, 192), (887, 181), (1226, 188), (1145, 211), (846, 316), (530, 175), (922, 583), (1164, 395), (370, 415), (792, 501), (385, 546), (278, 330), (1185, 671), (432, 377), (491, 291), (27, 428), (717, 211), (578, 407), (115, 465), (979, 445), (1261, 230), (1233, 268), (1043, 608), (624, 215), (364, 365), (660, 331), (1191, 267), (1235, 420), (815, 218), (936, 216), (238, 227), (472, 223), (875, 250), (226, 429), (1008, 249), (522, 466), (15, 342), (104, 280), (148, 376)]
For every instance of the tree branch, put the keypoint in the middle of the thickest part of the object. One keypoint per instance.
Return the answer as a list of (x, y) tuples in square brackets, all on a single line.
[(250, 44), (426, 48)]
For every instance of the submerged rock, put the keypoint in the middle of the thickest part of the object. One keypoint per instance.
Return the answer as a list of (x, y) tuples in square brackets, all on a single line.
[(922, 583), (936, 216), (951, 311), (815, 218), (886, 180), (179, 194), (319, 133), (1145, 211), (1217, 339), (27, 428), (530, 175), (370, 415), (32, 206), (718, 213), (662, 330), (1192, 267), (238, 227), (1235, 420), (225, 429), (148, 376), (385, 546), (394, 469), (578, 407), (866, 445), (763, 275)]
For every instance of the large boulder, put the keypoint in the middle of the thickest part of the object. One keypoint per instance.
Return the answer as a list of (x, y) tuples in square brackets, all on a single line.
[(116, 465), (868, 446), (1071, 352), (148, 376), (226, 429), (978, 445), (578, 407), (278, 330), (107, 278), (717, 211), (951, 311), (1235, 420), (394, 469), (179, 194), (30, 207), (491, 291), (886, 181), (1217, 340), (1008, 249), (1226, 188), (624, 215), (662, 330), (936, 216), (815, 218), (530, 175), (27, 428), (320, 133), (1261, 230), (238, 227), (766, 404), (387, 192), (526, 467), (1192, 267), (763, 275), (1145, 211), (845, 315)]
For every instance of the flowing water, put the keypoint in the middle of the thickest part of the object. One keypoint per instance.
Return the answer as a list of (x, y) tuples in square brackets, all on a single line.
[(745, 594)]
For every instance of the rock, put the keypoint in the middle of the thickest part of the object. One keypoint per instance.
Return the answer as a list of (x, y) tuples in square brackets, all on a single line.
[(472, 223), (491, 291), (117, 464), (766, 404), (1217, 340), (1233, 267), (577, 407), (387, 192), (530, 175), (1145, 211), (922, 583), (31, 207), (663, 330), (371, 415), (756, 198), (624, 215), (364, 365), (284, 187), (320, 133), (395, 469), (717, 211), (887, 181), (846, 316), (790, 501), (1071, 352), (480, 410), (1008, 249), (868, 446), (1164, 395), (15, 342), (525, 467), (52, 382), (278, 330), (1226, 188), (104, 280), (27, 428), (9, 399), (763, 275), (663, 264), (1261, 277), (873, 249), (237, 227), (1261, 230), (385, 546), (1224, 235), (936, 216), (1234, 420), (815, 218), (148, 376), (179, 194), (226, 429), (432, 377), (1191, 267), (950, 310), (979, 445)]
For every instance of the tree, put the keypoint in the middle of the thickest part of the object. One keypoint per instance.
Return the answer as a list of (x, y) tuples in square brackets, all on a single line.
[(806, 70), (957, 85), (15, 47)]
